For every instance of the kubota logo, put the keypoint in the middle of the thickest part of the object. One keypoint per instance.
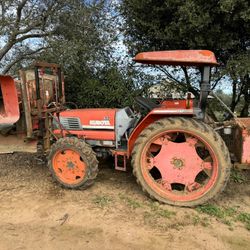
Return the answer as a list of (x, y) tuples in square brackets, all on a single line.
[(99, 122)]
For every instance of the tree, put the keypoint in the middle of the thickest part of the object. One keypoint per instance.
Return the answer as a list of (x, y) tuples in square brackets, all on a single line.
[(23, 27), (80, 35), (84, 46), (238, 68), (221, 26)]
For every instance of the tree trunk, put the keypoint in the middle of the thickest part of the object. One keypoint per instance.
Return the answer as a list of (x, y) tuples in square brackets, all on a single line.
[(246, 92), (234, 94)]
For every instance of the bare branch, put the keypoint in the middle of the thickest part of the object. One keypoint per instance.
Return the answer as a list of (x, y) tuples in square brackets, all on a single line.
[(25, 37), (5, 49), (39, 22), (216, 82), (240, 93), (186, 75), (32, 26), (20, 58), (19, 11), (21, 29), (168, 74)]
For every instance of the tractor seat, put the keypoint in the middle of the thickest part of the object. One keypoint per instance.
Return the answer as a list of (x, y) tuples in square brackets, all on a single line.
[(146, 103)]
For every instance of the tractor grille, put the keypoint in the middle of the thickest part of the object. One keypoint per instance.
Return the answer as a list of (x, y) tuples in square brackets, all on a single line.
[(71, 123)]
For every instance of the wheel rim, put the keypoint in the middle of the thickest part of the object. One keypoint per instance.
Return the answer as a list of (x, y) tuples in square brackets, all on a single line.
[(179, 165), (69, 166)]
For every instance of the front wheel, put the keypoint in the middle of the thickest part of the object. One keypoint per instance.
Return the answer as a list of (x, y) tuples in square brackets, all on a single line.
[(73, 163), (181, 161)]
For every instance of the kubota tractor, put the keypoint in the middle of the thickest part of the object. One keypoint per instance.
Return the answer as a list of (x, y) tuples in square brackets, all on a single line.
[(177, 157)]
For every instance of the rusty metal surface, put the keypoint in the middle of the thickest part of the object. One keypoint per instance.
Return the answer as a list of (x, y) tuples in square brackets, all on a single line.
[(46, 65), (242, 166), (236, 144), (13, 143), (26, 104), (240, 145), (39, 95), (245, 146), (120, 159), (244, 121)]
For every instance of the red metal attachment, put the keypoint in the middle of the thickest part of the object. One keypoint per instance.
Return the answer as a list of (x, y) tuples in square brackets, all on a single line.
[(241, 145), (120, 155), (179, 165)]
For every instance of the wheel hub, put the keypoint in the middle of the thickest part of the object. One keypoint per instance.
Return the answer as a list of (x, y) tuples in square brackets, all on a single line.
[(177, 163), (70, 165)]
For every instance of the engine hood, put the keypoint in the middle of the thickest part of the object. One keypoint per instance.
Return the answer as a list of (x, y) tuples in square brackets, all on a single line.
[(78, 119)]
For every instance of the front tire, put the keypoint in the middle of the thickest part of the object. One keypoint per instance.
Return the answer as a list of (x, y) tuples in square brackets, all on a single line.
[(73, 163), (181, 161)]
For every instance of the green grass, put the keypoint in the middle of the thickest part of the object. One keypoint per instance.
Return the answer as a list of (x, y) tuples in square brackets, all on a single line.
[(217, 212), (237, 176), (130, 202), (226, 215), (165, 213), (102, 200), (245, 218), (197, 220), (158, 216), (158, 211)]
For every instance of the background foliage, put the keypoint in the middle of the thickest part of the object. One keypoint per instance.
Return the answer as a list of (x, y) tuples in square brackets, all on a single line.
[(221, 26), (94, 41)]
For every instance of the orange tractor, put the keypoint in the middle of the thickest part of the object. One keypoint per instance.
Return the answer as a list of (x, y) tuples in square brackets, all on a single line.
[(176, 156)]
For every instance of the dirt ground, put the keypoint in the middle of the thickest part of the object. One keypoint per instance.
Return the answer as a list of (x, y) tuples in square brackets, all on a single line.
[(35, 213)]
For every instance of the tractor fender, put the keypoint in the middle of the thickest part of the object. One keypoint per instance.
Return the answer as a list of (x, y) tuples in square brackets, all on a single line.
[(152, 116)]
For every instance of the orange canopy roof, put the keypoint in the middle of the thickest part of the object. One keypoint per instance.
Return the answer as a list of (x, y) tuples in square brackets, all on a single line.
[(178, 57)]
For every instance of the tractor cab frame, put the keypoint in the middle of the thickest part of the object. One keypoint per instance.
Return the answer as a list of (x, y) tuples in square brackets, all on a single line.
[(203, 59)]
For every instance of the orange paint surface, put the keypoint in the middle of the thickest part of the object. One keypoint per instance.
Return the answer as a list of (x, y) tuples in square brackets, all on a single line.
[(178, 57), (103, 135), (9, 110), (89, 117)]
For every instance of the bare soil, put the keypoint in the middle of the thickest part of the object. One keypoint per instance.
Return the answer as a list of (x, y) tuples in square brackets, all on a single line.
[(36, 213)]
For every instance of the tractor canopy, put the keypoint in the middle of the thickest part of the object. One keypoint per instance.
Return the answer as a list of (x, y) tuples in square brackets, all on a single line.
[(178, 57)]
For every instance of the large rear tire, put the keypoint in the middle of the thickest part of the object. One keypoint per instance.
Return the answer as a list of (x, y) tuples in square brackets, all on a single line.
[(73, 163), (181, 161)]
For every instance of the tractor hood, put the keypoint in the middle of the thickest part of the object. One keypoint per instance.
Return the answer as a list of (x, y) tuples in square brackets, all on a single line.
[(85, 119)]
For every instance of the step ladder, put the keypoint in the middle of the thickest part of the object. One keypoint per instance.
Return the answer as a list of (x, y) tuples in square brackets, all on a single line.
[(120, 155)]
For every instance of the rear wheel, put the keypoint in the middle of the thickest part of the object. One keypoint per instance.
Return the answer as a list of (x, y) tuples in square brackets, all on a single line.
[(181, 161), (73, 163)]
